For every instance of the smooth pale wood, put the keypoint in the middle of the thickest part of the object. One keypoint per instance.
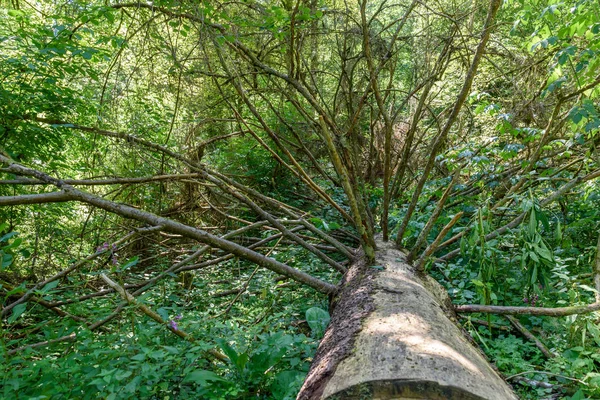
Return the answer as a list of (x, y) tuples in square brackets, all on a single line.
[(408, 347)]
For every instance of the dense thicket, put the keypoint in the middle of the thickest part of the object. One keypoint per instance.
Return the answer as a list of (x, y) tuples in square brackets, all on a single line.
[(222, 162)]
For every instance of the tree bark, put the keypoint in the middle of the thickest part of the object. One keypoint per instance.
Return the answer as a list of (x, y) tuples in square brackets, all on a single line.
[(393, 335)]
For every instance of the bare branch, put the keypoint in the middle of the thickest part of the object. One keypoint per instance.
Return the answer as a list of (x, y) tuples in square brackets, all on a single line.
[(433, 246), (462, 96), (175, 227), (510, 310), (517, 220), (67, 338), (98, 182), (26, 199), (72, 268), (525, 332)]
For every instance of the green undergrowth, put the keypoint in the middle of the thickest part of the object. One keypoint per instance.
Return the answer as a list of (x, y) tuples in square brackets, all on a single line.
[(269, 336)]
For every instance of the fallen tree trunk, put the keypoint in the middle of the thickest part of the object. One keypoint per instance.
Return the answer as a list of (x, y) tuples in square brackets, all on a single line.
[(393, 335)]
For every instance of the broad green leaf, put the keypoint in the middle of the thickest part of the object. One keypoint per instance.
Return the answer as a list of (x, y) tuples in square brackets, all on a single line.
[(49, 286), (15, 13), (588, 288), (6, 260), (164, 313), (286, 384), (202, 376), (534, 256), (8, 236), (130, 263), (17, 311), (139, 357), (171, 349), (122, 374), (317, 319), (578, 396), (228, 350)]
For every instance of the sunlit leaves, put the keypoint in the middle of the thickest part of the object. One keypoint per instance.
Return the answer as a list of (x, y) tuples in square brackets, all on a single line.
[(586, 115), (45, 64), (569, 31)]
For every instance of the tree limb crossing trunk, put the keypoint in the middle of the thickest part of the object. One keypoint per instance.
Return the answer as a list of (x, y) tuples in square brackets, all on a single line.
[(392, 336)]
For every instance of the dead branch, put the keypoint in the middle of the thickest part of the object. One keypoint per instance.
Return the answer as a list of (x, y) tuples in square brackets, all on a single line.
[(265, 215), (72, 268), (334, 242), (50, 306), (67, 338), (227, 293), (434, 216), (542, 311), (97, 182), (517, 220), (247, 283), (486, 324), (152, 314), (439, 140), (175, 227), (420, 263), (178, 267), (525, 332), (230, 256), (26, 199)]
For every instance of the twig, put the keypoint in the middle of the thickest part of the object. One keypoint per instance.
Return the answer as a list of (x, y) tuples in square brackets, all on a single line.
[(525, 332), (433, 246), (172, 226), (486, 324), (517, 220), (229, 256), (546, 373), (539, 384), (331, 240), (68, 338), (245, 287), (435, 215), (73, 267), (152, 314), (95, 182), (227, 293), (510, 310)]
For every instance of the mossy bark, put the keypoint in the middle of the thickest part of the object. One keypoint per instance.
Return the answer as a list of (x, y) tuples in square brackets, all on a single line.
[(393, 335)]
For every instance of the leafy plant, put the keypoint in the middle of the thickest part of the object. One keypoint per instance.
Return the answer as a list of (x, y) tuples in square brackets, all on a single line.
[(317, 319), (536, 257)]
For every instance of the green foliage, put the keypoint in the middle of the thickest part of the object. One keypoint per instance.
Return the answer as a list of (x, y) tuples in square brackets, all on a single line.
[(38, 62), (72, 70), (128, 368), (268, 358), (317, 319), (483, 256), (536, 258), (540, 263), (7, 250), (150, 363)]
